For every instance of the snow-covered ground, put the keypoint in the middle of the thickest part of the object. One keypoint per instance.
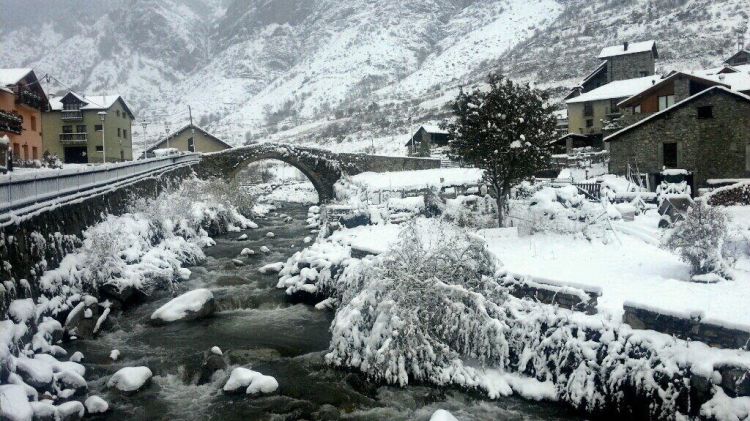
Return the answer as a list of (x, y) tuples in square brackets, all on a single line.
[(412, 180)]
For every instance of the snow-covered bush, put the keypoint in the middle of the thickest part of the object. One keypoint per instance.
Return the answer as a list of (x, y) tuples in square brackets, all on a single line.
[(699, 239), (564, 210), (471, 211), (424, 305)]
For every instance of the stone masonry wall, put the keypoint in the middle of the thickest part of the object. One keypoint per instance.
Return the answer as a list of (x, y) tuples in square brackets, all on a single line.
[(39, 243), (376, 163), (711, 148), (629, 66)]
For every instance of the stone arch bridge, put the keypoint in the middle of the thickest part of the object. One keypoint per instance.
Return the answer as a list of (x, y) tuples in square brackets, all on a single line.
[(322, 167)]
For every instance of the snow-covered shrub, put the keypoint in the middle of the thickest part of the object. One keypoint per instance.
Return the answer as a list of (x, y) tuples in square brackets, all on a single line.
[(699, 239), (564, 210), (51, 160), (471, 211), (420, 308)]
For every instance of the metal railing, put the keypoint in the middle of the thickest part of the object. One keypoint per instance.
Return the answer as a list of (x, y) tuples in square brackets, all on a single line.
[(37, 187), (72, 115), (73, 137)]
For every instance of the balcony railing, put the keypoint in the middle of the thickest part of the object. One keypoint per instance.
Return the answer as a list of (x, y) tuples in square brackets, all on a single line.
[(72, 115), (73, 138), (31, 99), (11, 122)]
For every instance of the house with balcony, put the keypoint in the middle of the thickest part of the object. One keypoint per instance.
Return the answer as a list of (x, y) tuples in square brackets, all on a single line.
[(88, 129), (22, 101)]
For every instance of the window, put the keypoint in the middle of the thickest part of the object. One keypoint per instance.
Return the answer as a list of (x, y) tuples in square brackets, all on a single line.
[(99, 148), (669, 155), (191, 145), (122, 155), (706, 111), (747, 157), (643, 73), (613, 108), (119, 132), (125, 133), (72, 106), (590, 123), (81, 128), (588, 109), (34, 153), (666, 102), (32, 122), (637, 109), (25, 152), (16, 150), (98, 127), (67, 129), (117, 113)]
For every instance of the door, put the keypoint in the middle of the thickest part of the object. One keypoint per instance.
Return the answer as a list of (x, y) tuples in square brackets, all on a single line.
[(76, 155), (669, 155)]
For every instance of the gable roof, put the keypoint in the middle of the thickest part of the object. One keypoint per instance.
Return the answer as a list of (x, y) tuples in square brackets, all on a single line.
[(433, 129), (670, 77), (632, 48), (742, 51), (13, 76), (91, 102), (617, 89), (599, 69), (717, 88), (182, 129)]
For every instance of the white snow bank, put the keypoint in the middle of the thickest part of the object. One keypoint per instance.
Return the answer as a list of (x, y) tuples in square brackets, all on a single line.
[(130, 379), (184, 306), (254, 381), (411, 180)]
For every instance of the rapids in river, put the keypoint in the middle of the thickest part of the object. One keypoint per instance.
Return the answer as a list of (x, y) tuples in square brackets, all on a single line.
[(257, 326)]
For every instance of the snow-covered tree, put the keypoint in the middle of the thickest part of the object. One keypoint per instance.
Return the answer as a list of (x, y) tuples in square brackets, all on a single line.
[(699, 239), (505, 130)]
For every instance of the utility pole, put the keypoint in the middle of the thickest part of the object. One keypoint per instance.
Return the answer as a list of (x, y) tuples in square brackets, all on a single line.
[(191, 145), (166, 130), (144, 123)]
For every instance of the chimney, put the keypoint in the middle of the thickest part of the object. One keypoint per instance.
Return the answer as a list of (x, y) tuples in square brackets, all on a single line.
[(625, 46)]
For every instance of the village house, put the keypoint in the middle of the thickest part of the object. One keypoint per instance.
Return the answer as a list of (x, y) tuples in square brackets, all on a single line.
[(22, 100), (190, 138), (426, 139), (625, 70), (739, 58), (707, 134), (76, 126)]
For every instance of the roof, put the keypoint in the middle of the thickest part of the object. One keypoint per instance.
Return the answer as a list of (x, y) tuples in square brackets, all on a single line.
[(602, 67), (182, 129), (742, 51), (13, 76), (567, 135), (617, 89), (92, 102), (720, 89), (433, 129), (633, 48), (739, 81), (671, 76)]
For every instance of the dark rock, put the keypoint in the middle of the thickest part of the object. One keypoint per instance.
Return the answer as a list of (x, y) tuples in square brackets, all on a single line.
[(360, 384), (735, 380), (327, 412), (701, 391), (211, 364), (207, 309)]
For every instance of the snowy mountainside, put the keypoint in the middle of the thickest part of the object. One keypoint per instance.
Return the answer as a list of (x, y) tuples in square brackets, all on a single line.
[(349, 75)]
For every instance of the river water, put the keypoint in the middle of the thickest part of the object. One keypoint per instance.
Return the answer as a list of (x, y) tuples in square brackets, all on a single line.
[(257, 326)]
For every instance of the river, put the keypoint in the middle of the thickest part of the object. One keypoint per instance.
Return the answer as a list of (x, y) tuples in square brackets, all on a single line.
[(257, 326)]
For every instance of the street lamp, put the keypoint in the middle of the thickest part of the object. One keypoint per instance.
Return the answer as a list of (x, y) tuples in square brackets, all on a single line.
[(102, 115), (166, 130)]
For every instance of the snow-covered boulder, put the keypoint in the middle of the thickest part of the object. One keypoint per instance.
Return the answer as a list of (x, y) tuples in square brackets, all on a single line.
[(130, 379), (188, 306), (442, 415), (307, 240), (76, 357), (238, 262), (216, 350), (242, 237), (96, 405), (70, 380), (270, 234), (14, 406), (252, 381), (44, 410), (247, 252), (271, 268), (70, 411), (265, 249), (36, 373), (114, 355)]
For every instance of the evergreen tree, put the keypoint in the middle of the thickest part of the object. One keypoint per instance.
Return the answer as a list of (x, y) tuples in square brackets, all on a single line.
[(505, 131)]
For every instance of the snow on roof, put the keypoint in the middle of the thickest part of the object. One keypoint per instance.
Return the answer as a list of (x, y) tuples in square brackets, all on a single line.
[(12, 76), (669, 77), (94, 102), (634, 47), (739, 81), (433, 129), (617, 89), (679, 104)]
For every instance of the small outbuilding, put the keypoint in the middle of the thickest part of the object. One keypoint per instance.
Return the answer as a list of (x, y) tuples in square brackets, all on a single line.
[(426, 138), (190, 138)]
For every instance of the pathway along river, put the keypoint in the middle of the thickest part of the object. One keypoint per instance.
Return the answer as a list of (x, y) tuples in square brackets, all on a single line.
[(256, 326)]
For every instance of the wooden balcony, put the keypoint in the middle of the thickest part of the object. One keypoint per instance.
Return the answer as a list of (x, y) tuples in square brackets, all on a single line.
[(11, 122), (72, 115), (30, 99), (73, 138)]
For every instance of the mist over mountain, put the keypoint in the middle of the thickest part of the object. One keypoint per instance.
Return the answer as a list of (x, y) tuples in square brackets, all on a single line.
[(342, 74)]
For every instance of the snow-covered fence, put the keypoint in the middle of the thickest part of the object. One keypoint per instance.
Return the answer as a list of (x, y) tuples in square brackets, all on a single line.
[(579, 160), (23, 190)]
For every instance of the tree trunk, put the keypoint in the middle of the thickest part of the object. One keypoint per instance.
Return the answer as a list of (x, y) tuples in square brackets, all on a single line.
[(500, 200)]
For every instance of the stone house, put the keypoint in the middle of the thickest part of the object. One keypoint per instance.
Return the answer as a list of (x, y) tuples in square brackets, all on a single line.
[(190, 138), (626, 69), (426, 139), (707, 133), (73, 129), (22, 100)]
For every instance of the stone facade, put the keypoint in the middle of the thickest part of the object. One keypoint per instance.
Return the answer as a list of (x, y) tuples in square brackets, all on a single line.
[(630, 66), (709, 147)]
